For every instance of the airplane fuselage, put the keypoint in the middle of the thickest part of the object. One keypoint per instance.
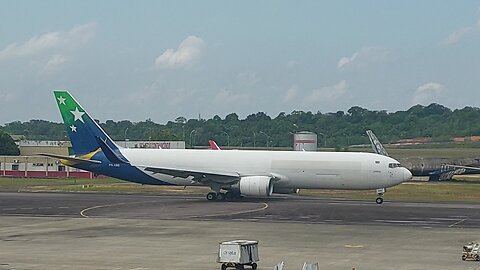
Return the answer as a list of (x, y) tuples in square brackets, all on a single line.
[(328, 170)]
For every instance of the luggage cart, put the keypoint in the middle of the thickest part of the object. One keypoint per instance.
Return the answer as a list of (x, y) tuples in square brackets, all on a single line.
[(471, 251), (238, 253)]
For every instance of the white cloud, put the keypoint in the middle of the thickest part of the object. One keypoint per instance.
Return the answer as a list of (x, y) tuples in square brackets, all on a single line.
[(185, 56), (457, 35), (54, 64), (461, 33), (328, 93), (78, 35), (363, 58), (345, 61), (428, 93), (291, 93)]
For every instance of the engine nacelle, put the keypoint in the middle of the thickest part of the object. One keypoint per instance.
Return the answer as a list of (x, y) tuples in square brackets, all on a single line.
[(285, 190), (256, 186)]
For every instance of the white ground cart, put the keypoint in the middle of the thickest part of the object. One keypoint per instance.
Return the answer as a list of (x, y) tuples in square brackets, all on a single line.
[(238, 253), (471, 251)]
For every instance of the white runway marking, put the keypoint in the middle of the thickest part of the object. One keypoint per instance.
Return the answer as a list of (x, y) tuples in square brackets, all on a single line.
[(265, 206), (407, 221), (82, 213), (458, 222)]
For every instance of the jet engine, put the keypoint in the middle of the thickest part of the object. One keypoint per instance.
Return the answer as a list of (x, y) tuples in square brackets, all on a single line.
[(256, 186)]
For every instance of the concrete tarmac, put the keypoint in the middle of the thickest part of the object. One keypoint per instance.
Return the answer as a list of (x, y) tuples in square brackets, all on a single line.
[(108, 231)]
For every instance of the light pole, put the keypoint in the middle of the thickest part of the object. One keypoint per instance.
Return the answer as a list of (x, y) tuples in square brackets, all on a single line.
[(266, 135), (324, 139), (228, 137), (191, 133), (348, 138), (125, 137), (253, 139)]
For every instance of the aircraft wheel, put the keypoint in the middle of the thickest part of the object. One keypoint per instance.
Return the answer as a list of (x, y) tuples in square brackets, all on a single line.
[(464, 257), (221, 197), (211, 196), (379, 200), (477, 258), (254, 266)]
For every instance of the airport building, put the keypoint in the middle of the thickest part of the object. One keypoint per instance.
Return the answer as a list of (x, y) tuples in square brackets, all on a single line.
[(29, 164), (38, 166)]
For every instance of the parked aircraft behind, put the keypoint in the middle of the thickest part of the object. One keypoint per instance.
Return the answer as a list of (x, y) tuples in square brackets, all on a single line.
[(213, 145), (229, 174), (437, 168)]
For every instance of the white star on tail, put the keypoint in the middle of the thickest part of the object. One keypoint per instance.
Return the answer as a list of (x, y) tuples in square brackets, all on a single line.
[(74, 128), (77, 115), (61, 100)]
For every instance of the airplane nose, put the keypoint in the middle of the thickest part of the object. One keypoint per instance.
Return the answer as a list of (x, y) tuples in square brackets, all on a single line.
[(407, 175)]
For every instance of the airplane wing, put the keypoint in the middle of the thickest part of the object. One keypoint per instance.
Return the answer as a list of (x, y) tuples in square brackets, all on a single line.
[(376, 144), (449, 170), (198, 176), (463, 167)]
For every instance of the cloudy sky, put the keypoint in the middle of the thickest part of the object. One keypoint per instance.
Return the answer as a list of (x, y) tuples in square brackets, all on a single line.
[(162, 59)]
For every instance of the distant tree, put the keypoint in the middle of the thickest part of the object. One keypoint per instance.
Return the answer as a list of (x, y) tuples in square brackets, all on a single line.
[(233, 117), (180, 120), (7, 145)]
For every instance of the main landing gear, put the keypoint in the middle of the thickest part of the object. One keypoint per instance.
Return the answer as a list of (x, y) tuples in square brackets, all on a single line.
[(221, 196), (212, 196), (380, 193)]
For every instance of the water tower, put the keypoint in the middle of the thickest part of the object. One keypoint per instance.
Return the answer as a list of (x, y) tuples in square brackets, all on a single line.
[(305, 141)]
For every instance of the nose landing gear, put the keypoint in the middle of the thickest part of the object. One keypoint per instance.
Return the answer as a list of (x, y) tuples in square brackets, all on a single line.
[(380, 193)]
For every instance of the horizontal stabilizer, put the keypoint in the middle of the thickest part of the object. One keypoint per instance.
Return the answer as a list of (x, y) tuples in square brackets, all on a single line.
[(71, 159), (109, 153)]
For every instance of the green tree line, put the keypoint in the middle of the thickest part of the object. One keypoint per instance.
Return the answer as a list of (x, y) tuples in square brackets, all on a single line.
[(337, 129)]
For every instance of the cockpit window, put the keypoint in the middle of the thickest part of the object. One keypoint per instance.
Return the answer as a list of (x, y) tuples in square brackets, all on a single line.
[(394, 165)]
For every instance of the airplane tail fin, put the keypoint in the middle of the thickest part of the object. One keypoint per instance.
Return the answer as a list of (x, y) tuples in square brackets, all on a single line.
[(213, 145), (83, 131), (376, 144)]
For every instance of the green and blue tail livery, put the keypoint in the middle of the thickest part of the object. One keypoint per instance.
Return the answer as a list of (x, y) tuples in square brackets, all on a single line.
[(83, 131), (94, 150)]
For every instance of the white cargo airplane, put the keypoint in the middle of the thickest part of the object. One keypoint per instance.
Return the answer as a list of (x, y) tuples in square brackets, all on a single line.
[(229, 173)]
